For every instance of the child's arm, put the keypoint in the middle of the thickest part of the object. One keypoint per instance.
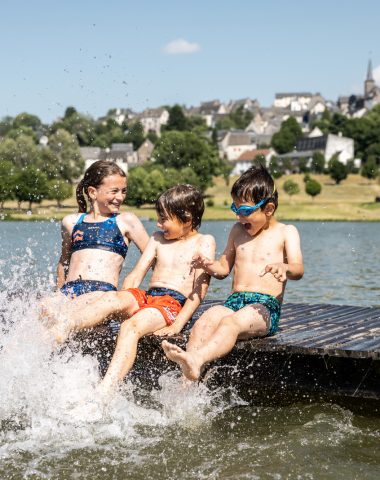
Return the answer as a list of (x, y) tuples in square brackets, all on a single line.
[(135, 231), (221, 268), (136, 276), (293, 269), (200, 287), (64, 259)]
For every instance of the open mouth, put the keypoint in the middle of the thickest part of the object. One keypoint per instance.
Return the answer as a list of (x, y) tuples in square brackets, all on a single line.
[(247, 226)]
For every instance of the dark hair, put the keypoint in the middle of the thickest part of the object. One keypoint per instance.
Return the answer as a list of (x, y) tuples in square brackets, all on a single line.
[(184, 202), (254, 185), (93, 177)]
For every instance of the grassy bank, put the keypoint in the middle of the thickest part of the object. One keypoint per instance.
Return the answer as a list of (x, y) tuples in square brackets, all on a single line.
[(352, 200)]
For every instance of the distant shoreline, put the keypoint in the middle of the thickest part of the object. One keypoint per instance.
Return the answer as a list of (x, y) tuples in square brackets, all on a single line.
[(351, 201)]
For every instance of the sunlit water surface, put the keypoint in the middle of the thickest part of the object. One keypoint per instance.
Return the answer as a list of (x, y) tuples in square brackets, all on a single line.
[(53, 426)]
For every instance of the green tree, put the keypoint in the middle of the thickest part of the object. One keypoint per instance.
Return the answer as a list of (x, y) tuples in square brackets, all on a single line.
[(337, 170), (303, 165), (318, 162), (69, 161), (370, 168), (291, 188), (135, 135), (31, 186), (21, 151), (27, 120), (59, 190), (285, 140), (313, 188), (179, 150), (274, 167), (7, 182), (241, 117), (5, 125), (152, 136), (177, 120), (144, 186), (81, 126), (14, 133)]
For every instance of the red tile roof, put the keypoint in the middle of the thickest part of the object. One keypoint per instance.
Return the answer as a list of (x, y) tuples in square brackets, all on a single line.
[(250, 155)]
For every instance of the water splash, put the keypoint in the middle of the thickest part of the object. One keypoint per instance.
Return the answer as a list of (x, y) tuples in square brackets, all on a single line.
[(49, 400)]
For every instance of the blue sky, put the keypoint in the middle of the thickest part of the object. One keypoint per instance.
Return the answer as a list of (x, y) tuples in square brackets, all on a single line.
[(96, 55)]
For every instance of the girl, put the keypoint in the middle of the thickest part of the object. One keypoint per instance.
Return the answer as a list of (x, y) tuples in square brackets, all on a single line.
[(94, 244)]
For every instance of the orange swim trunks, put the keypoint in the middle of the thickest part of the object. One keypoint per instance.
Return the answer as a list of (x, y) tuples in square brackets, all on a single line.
[(168, 302)]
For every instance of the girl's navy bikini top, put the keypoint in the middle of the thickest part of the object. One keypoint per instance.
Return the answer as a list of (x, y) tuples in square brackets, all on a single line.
[(104, 235)]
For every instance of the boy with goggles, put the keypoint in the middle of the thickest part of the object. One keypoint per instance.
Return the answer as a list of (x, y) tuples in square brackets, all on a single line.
[(264, 255)]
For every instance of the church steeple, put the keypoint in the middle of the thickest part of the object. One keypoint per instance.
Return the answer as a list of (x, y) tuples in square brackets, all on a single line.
[(369, 70), (369, 83)]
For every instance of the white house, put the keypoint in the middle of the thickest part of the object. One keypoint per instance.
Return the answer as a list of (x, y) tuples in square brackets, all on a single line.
[(152, 119), (241, 164), (209, 110), (234, 143), (295, 102)]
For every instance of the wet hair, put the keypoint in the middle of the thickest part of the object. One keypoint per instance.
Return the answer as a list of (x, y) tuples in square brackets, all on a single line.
[(254, 185), (93, 177), (184, 202)]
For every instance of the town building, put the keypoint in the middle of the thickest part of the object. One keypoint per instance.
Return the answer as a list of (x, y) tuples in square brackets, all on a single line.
[(234, 143), (246, 159)]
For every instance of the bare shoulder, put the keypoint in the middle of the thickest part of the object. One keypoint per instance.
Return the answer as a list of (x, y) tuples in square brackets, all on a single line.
[(129, 220), (206, 239), (69, 221), (288, 232)]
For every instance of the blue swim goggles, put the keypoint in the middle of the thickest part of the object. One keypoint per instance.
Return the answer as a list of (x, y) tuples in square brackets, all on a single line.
[(247, 210)]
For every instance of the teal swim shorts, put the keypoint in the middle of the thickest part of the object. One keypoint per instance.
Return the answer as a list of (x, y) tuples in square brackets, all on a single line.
[(239, 300)]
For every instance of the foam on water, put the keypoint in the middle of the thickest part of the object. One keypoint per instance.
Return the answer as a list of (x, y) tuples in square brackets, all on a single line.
[(49, 400)]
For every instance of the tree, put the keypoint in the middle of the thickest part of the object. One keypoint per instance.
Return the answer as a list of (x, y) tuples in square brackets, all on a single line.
[(313, 188), (370, 168), (69, 161), (7, 182), (135, 135), (5, 125), (285, 140), (21, 151), (303, 165), (337, 170), (274, 168), (27, 120), (318, 162), (179, 150), (291, 188), (59, 190), (31, 186), (81, 126), (177, 120), (241, 117)]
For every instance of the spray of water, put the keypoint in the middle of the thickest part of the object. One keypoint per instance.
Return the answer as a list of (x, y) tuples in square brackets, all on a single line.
[(49, 400)]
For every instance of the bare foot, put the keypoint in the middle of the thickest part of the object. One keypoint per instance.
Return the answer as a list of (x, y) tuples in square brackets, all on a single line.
[(189, 366), (60, 331)]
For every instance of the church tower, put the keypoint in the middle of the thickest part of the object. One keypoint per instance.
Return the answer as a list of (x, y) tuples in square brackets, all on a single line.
[(369, 83)]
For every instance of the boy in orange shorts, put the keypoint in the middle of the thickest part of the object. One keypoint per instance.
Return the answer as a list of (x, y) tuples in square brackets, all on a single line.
[(175, 289)]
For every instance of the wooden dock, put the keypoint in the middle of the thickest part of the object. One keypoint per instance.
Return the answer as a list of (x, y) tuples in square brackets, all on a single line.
[(321, 352)]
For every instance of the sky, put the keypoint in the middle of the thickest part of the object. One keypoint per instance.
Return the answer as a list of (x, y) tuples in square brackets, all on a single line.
[(96, 55)]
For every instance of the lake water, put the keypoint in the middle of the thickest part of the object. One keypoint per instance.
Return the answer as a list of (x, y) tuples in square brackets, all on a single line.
[(52, 427)]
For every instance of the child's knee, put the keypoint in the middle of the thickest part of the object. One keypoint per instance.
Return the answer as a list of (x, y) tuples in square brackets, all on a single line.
[(229, 322)]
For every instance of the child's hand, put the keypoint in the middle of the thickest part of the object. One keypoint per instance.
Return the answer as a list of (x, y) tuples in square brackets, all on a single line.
[(167, 331), (200, 261), (278, 270)]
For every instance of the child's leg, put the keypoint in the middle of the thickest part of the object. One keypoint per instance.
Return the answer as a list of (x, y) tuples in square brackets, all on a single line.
[(205, 326), (93, 308), (146, 321), (250, 321)]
